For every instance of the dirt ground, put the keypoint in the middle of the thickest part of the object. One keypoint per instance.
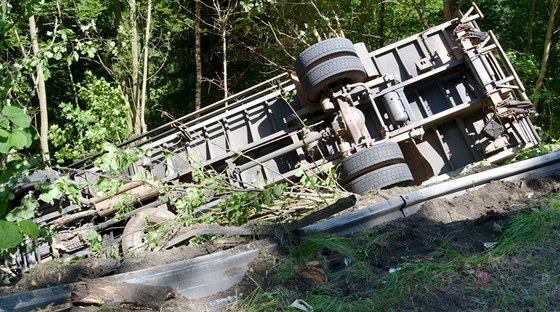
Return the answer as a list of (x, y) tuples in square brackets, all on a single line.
[(466, 223)]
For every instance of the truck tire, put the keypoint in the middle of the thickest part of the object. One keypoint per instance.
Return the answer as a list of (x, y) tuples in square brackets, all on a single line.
[(136, 228), (342, 68), (380, 178), (321, 52), (367, 160)]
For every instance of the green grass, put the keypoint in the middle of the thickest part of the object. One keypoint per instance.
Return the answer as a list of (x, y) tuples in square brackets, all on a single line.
[(349, 304), (263, 301), (523, 270), (549, 145), (316, 243), (533, 227), (283, 272)]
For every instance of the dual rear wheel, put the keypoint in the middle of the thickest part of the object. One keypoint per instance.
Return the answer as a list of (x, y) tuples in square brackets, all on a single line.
[(326, 64), (379, 166), (334, 62)]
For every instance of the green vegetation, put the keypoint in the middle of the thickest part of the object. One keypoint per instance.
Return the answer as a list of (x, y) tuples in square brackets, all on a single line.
[(94, 70), (243, 206), (78, 77), (520, 271), (82, 131), (15, 136), (553, 145)]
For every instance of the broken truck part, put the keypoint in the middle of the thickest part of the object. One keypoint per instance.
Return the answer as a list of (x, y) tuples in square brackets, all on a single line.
[(207, 275), (424, 106)]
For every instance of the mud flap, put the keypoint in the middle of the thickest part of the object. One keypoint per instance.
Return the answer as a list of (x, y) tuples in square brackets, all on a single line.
[(419, 166)]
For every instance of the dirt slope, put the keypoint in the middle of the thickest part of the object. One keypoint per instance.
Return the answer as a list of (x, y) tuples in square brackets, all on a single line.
[(468, 224)]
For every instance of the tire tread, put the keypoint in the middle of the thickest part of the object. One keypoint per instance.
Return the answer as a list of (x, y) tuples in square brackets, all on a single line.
[(320, 51), (369, 159), (380, 178)]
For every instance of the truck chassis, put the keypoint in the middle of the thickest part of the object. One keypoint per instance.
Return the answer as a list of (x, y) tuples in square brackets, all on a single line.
[(422, 107)]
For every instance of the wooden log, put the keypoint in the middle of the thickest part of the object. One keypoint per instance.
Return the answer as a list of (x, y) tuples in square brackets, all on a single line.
[(129, 296)]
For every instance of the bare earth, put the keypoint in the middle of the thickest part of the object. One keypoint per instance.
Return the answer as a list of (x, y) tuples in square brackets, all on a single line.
[(464, 223)]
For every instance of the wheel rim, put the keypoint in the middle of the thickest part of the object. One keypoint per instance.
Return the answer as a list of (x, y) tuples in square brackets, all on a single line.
[(135, 231)]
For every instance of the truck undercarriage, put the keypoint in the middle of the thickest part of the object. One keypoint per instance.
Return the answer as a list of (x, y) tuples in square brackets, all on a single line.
[(422, 107)]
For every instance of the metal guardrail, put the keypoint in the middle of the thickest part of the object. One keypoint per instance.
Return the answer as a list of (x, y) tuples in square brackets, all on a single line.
[(205, 276), (395, 207)]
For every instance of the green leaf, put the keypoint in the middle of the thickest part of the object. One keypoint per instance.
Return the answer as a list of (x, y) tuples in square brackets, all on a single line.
[(91, 52), (4, 135), (267, 198), (5, 148), (20, 139), (17, 116), (3, 207), (278, 190), (51, 195), (47, 198), (10, 236), (23, 212), (93, 236), (46, 73), (29, 228), (4, 122)]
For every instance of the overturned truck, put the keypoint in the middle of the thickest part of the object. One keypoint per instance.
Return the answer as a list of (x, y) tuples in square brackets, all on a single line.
[(422, 107)]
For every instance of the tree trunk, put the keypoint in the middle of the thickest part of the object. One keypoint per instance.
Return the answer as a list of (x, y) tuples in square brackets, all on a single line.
[(197, 57), (135, 297), (117, 10), (552, 71), (221, 25), (145, 67), (447, 10), (224, 61), (451, 9), (134, 92), (531, 26), (42, 94), (4, 8), (381, 25), (122, 77), (421, 10), (547, 45)]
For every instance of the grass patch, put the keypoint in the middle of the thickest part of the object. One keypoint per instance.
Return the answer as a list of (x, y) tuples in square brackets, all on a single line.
[(335, 304), (521, 271), (282, 272), (532, 228), (263, 301), (312, 245)]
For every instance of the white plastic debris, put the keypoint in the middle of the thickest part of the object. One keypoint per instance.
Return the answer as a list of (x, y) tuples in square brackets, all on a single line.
[(347, 262), (490, 245), (301, 305)]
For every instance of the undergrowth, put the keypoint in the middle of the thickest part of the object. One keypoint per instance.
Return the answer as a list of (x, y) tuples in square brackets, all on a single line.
[(493, 280), (550, 145)]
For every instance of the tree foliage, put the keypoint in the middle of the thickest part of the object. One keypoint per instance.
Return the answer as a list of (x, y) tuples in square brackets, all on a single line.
[(15, 136), (93, 65), (101, 117)]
